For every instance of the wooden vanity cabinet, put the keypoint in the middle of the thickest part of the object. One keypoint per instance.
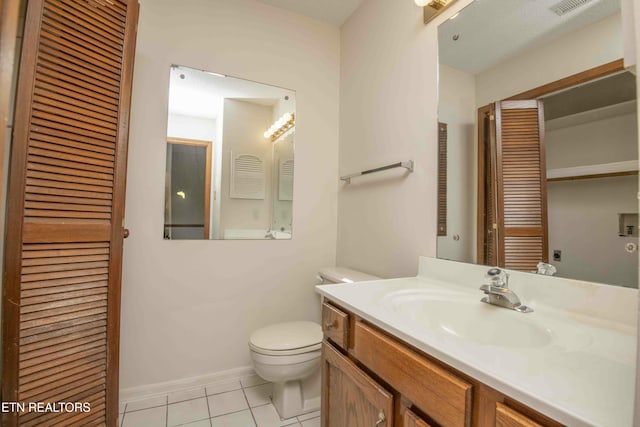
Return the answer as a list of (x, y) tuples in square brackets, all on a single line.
[(367, 372)]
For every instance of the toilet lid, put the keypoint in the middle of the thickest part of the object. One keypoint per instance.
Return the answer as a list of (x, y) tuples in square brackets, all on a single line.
[(287, 336)]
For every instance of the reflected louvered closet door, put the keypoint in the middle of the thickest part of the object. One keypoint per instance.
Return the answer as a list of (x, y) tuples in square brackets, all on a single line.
[(521, 185), (61, 299)]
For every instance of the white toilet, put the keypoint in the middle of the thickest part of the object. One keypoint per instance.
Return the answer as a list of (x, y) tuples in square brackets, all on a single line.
[(288, 355)]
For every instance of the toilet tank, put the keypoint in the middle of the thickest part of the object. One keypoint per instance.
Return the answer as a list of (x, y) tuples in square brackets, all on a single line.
[(343, 275)]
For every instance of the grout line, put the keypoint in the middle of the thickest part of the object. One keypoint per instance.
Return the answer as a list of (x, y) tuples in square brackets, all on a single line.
[(208, 408), (124, 414), (144, 409), (187, 400), (221, 392), (166, 419), (250, 410)]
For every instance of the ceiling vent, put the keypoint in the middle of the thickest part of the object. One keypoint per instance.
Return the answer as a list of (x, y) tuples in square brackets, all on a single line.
[(566, 6)]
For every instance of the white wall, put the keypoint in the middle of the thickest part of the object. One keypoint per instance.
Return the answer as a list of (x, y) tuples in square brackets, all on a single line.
[(457, 108), (584, 212), (600, 141), (180, 126), (188, 307), (388, 104), (583, 224), (244, 126), (586, 48)]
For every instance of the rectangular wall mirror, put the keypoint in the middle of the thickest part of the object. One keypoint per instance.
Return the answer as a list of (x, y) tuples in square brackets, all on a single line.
[(230, 158), (538, 156)]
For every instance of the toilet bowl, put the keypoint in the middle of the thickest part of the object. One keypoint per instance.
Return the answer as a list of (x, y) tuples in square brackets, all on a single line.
[(288, 355)]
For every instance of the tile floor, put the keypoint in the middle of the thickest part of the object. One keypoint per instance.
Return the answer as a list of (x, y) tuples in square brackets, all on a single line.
[(233, 403)]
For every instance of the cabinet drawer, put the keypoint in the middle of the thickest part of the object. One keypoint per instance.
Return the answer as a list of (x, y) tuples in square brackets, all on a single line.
[(508, 417), (349, 396), (441, 395), (335, 325)]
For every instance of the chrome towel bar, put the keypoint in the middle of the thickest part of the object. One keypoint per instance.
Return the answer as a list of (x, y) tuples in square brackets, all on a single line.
[(408, 165)]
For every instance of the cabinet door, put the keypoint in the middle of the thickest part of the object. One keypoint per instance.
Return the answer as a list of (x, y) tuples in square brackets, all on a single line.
[(63, 257), (409, 419), (349, 396)]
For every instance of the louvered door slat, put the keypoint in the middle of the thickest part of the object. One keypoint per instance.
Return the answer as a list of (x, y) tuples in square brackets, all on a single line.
[(93, 15), (76, 119), (64, 133), (37, 170), (68, 30), (50, 82), (58, 101), (70, 97), (63, 264), (79, 51), (74, 152), (83, 20), (51, 157), (62, 16), (38, 332), (522, 205), (64, 337)]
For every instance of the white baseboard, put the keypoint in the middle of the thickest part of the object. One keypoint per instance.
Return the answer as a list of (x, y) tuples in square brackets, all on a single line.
[(159, 389)]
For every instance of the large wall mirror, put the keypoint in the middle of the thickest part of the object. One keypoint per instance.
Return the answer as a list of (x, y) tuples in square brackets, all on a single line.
[(538, 144), (229, 165)]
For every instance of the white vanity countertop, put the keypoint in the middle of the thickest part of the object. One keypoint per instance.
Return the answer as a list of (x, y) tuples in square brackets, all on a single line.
[(572, 359)]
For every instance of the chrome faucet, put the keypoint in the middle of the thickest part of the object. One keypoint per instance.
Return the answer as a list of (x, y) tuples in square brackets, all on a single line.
[(498, 292)]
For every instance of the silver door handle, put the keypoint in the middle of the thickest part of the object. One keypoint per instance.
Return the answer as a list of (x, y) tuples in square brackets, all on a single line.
[(381, 419)]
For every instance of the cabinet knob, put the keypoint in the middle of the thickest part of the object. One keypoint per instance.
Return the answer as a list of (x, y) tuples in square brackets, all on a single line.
[(125, 233), (330, 325), (381, 419)]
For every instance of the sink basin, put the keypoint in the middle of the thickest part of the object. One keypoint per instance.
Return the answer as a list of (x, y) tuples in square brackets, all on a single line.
[(471, 320)]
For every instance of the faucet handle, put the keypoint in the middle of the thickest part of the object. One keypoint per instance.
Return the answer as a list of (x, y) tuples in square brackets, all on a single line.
[(498, 277)]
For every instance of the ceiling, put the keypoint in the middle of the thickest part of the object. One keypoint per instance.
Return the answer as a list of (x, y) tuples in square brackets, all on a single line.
[(335, 12), (196, 93), (491, 31)]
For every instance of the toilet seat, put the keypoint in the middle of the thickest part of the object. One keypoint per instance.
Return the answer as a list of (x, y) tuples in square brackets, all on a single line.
[(283, 339)]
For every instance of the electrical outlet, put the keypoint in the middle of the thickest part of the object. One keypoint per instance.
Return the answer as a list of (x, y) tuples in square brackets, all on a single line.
[(557, 255)]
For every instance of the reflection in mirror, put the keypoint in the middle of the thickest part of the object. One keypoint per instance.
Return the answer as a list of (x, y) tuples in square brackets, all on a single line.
[(538, 152), (230, 158)]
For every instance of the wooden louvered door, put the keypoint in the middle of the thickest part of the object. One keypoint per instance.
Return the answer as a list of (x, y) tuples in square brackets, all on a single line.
[(61, 299), (521, 184), (487, 245), (442, 179)]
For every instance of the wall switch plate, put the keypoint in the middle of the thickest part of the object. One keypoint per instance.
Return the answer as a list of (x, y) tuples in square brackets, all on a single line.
[(557, 255)]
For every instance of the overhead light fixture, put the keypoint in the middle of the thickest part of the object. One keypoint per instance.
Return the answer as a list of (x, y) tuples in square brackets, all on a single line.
[(433, 8), (282, 125)]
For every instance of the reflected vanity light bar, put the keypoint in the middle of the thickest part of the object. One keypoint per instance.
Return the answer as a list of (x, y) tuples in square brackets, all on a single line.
[(282, 125), (211, 73), (433, 8)]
